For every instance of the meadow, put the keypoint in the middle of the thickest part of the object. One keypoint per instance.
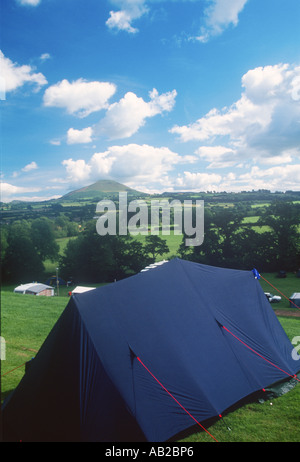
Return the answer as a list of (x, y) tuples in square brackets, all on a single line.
[(26, 321)]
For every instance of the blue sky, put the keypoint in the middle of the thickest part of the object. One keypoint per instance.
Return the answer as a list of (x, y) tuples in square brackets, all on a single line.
[(161, 95)]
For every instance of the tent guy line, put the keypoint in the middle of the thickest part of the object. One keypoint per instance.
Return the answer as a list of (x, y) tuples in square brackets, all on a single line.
[(272, 364), (13, 369), (198, 423), (280, 292), (227, 330)]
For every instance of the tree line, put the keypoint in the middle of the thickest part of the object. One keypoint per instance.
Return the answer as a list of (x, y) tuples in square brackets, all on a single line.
[(88, 257), (231, 243), (228, 242), (26, 244)]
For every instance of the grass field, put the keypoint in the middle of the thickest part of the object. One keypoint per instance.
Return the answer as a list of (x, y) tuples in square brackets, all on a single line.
[(27, 320)]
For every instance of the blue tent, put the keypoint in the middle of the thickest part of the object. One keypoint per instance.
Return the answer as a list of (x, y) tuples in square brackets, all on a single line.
[(134, 360)]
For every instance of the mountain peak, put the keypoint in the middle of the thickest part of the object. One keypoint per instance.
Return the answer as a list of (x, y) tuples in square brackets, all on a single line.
[(98, 190)]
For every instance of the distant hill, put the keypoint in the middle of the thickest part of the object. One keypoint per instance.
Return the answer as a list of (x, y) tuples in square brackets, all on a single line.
[(99, 190)]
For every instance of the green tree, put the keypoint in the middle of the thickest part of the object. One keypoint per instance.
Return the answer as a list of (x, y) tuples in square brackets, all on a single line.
[(284, 219), (43, 237), (220, 227), (4, 243), (155, 246), (21, 262), (253, 250), (94, 258)]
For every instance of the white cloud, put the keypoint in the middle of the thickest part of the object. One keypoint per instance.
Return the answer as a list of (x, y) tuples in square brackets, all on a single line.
[(28, 168), (29, 2), (122, 119), (45, 56), (125, 117), (77, 170), (79, 136), (263, 124), (219, 156), (198, 182), (120, 20), (138, 164), (14, 76), (232, 121), (141, 162), (284, 177), (80, 97), (285, 158), (8, 191), (277, 178), (130, 10), (219, 15), (32, 166)]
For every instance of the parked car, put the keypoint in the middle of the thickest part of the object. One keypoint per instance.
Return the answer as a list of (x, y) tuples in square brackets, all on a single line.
[(272, 298)]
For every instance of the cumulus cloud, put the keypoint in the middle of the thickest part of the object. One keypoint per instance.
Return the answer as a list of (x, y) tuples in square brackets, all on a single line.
[(130, 10), (262, 124), (277, 178), (121, 20), (77, 170), (219, 15), (122, 119), (198, 181), (141, 162), (219, 156), (14, 76), (79, 136), (80, 97), (125, 117), (132, 163)]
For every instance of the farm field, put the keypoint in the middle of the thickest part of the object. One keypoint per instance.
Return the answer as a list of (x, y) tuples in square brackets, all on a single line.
[(27, 320)]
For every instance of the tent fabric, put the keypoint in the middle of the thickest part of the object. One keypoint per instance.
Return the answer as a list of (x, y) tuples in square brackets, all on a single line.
[(86, 383), (53, 281)]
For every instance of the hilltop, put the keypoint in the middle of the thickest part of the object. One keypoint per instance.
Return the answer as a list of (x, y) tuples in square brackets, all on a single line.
[(98, 190)]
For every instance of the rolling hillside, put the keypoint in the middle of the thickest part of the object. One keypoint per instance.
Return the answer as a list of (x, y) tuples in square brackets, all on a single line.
[(99, 190)]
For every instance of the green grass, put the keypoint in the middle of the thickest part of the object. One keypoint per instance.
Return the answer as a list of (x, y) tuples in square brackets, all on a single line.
[(50, 266), (248, 220), (286, 286), (272, 421), (27, 320), (275, 420)]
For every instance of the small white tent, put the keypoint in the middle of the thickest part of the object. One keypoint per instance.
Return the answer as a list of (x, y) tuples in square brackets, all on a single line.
[(82, 289), (35, 288), (295, 300)]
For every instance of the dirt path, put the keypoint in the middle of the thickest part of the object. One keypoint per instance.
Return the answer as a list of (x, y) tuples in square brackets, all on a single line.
[(294, 314)]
